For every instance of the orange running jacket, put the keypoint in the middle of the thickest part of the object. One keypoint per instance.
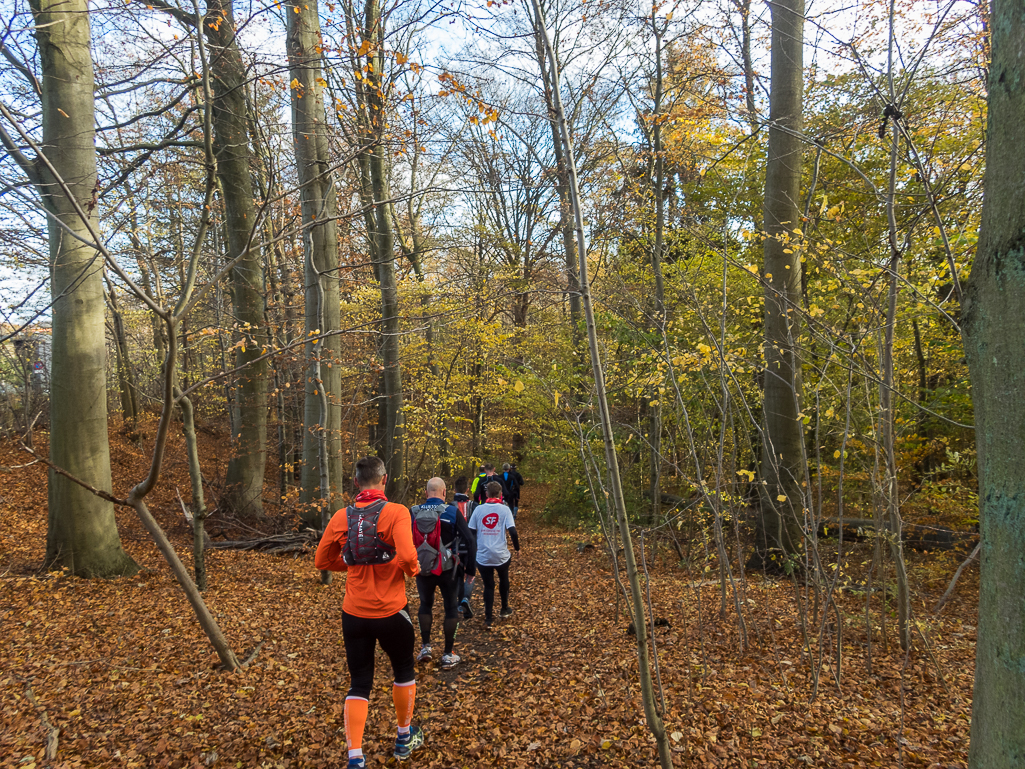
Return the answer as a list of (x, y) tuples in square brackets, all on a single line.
[(379, 590)]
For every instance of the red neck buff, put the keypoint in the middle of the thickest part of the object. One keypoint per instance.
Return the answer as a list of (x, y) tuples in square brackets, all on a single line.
[(491, 500), (370, 495)]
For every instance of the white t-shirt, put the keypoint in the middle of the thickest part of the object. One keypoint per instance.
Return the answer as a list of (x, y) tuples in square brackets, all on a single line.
[(490, 521)]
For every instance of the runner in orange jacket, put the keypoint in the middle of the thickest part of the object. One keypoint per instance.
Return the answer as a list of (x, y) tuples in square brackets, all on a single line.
[(374, 611)]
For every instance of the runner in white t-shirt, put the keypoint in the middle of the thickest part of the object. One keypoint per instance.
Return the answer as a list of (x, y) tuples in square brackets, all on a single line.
[(489, 523)]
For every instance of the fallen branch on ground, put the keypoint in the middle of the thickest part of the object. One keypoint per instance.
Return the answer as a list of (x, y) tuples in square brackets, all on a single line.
[(52, 732), (275, 544)]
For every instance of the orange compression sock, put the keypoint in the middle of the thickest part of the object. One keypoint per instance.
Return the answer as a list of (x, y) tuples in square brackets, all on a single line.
[(404, 696), (355, 720)]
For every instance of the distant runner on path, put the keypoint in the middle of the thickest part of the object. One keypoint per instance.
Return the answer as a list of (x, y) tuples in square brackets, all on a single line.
[(372, 540), (481, 483), (513, 483), (441, 530), (478, 479), (489, 523)]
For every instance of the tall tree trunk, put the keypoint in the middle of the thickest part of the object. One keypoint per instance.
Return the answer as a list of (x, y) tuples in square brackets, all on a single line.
[(782, 464), (391, 377), (616, 499), (279, 294), (322, 416), (569, 245), (892, 491), (383, 236), (82, 532), (923, 379), (569, 248), (659, 314), (367, 34), (231, 144), (994, 331)]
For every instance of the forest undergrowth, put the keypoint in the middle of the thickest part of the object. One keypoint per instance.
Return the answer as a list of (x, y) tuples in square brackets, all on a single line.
[(124, 673)]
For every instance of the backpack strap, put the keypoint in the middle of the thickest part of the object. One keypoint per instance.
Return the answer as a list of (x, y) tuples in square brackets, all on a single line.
[(371, 509)]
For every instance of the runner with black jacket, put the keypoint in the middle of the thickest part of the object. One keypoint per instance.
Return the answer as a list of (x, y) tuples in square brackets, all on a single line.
[(490, 476), (513, 482), (467, 569)]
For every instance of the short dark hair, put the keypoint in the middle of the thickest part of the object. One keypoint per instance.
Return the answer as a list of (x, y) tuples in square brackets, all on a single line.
[(494, 489), (460, 484), (369, 471), (489, 467)]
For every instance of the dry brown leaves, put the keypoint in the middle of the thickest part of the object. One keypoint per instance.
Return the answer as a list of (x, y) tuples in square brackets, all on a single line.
[(122, 670)]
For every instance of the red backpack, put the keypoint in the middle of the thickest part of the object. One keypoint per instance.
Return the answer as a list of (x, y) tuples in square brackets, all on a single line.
[(465, 508), (434, 555)]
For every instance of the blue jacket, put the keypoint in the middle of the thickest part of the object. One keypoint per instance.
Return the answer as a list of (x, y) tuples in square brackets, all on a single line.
[(513, 482)]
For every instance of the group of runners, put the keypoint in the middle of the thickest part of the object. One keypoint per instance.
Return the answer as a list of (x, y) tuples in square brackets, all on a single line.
[(443, 545)]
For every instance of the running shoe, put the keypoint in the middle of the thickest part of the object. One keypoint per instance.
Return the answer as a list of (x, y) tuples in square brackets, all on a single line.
[(405, 744), (488, 622), (506, 611), (425, 655), (467, 611), (449, 661), (357, 763)]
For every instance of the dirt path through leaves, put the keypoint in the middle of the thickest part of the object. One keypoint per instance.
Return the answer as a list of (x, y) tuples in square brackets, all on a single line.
[(121, 669)]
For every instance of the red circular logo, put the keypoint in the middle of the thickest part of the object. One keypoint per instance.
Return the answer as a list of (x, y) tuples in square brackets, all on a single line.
[(490, 520)]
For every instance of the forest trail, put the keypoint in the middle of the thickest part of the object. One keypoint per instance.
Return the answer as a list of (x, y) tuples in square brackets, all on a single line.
[(122, 670)]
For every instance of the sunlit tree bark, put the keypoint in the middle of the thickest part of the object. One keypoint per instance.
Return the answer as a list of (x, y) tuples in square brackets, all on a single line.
[(994, 332), (82, 533), (321, 431), (231, 144), (782, 465)]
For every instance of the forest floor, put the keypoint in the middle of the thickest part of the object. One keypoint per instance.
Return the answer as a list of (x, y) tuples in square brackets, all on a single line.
[(124, 673)]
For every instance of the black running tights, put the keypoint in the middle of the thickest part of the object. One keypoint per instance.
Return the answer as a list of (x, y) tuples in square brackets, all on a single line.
[(487, 575), (362, 634)]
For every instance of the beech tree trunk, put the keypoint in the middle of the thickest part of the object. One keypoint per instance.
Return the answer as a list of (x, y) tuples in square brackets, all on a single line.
[(782, 465), (231, 145), (82, 532), (994, 333), (391, 377), (320, 242), (366, 28), (383, 236)]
